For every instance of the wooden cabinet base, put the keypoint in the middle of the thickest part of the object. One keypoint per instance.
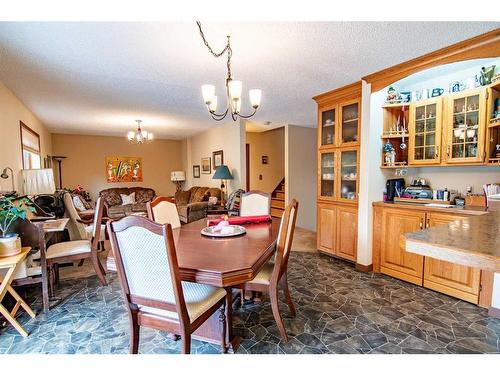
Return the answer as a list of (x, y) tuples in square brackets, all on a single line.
[(401, 275), (472, 298)]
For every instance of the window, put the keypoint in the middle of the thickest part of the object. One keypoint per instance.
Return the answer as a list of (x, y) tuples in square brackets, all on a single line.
[(30, 144)]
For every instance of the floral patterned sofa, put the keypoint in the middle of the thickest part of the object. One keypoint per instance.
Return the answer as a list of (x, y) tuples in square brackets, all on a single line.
[(113, 201)]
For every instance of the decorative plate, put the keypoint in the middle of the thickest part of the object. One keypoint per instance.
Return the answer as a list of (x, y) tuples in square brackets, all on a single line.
[(228, 231)]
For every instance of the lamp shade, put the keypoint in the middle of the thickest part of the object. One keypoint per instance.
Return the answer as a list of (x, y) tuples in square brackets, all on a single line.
[(38, 181), (222, 173), (177, 176)]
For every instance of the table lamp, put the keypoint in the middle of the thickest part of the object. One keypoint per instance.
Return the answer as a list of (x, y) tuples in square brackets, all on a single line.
[(178, 177), (222, 173)]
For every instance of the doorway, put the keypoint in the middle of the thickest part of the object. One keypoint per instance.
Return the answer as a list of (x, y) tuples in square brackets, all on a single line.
[(247, 156)]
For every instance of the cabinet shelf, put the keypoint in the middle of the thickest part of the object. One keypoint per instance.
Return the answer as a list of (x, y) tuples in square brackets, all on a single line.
[(349, 121), (395, 135), (494, 124)]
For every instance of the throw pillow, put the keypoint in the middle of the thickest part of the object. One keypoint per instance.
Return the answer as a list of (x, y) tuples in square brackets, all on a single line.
[(77, 202), (128, 199)]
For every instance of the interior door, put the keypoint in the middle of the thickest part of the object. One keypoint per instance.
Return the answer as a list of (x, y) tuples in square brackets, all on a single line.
[(347, 232), (326, 227), (394, 260), (449, 278)]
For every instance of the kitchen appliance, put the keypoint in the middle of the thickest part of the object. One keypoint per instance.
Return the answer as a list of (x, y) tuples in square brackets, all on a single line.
[(394, 188), (418, 192)]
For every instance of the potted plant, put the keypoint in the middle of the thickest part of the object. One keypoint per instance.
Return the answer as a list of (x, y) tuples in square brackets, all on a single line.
[(10, 243)]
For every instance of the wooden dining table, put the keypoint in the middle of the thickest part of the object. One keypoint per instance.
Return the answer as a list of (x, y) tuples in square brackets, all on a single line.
[(223, 262)]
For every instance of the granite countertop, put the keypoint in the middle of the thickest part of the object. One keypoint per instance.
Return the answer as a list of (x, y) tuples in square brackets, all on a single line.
[(473, 241), (465, 210)]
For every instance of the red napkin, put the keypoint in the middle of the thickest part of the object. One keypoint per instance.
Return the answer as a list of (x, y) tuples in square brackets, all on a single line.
[(238, 220)]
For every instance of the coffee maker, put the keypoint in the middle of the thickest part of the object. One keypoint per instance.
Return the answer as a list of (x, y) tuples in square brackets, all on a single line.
[(394, 188)]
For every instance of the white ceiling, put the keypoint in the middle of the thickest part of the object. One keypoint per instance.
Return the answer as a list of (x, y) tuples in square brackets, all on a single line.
[(97, 78)]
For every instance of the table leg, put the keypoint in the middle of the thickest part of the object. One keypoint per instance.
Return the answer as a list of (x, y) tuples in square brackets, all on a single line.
[(43, 266)]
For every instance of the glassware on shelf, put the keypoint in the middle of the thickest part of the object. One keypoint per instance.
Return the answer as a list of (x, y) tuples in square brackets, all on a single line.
[(328, 127), (327, 174), (349, 167), (349, 130)]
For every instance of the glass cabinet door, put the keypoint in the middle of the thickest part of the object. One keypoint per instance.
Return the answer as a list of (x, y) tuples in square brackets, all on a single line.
[(349, 123), (465, 128), (328, 127), (425, 132), (349, 174), (327, 174)]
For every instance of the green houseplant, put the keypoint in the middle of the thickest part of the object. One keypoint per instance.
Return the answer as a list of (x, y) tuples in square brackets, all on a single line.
[(10, 212)]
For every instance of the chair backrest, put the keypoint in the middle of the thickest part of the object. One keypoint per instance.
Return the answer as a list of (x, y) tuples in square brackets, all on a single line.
[(75, 228), (255, 203), (162, 211), (146, 262), (96, 229), (284, 241)]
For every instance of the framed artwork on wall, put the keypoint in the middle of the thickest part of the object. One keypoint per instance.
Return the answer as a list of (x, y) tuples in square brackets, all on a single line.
[(218, 157), (265, 159), (206, 165), (123, 169), (196, 171)]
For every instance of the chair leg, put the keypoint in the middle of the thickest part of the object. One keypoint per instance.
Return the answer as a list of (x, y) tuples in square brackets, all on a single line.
[(50, 271), (242, 300), (186, 342), (288, 297), (222, 320), (56, 274), (273, 294), (134, 333), (98, 269)]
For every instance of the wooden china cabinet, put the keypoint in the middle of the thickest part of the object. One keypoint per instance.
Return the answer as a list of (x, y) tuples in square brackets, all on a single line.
[(339, 122)]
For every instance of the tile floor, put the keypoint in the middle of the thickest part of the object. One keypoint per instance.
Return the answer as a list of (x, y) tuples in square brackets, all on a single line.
[(340, 310)]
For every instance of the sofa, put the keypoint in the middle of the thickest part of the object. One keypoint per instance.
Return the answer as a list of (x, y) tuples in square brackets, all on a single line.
[(191, 204), (114, 208)]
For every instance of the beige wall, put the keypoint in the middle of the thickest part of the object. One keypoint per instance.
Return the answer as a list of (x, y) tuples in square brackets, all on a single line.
[(85, 163), (272, 144), (12, 111), (230, 138), (300, 167)]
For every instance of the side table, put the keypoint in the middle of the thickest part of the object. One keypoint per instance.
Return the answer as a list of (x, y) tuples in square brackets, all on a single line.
[(11, 264)]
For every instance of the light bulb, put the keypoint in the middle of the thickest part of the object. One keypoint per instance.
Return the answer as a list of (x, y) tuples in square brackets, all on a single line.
[(208, 92), (131, 136), (255, 95), (212, 107), (139, 137), (144, 134), (235, 89), (150, 136), (236, 106)]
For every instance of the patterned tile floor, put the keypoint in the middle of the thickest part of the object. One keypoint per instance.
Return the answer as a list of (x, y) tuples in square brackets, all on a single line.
[(339, 309)]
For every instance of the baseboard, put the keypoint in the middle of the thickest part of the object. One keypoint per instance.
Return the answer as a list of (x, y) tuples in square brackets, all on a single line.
[(363, 268), (494, 312)]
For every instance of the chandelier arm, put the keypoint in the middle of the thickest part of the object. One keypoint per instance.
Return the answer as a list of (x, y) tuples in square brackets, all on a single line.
[(218, 119), (248, 116), (219, 115)]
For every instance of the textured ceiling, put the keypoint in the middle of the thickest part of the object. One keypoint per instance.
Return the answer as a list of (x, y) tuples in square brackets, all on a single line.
[(97, 78)]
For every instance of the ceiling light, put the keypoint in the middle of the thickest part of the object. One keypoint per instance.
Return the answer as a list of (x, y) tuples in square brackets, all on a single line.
[(233, 89), (139, 136)]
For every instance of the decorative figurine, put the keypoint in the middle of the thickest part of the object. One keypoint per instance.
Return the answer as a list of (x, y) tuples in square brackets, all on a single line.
[(496, 109), (497, 151), (486, 75), (392, 95), (390, 154)]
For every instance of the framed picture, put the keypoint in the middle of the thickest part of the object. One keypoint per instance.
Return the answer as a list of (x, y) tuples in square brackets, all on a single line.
[(123, 169), (206, 166), (218, 157), (196, 171)]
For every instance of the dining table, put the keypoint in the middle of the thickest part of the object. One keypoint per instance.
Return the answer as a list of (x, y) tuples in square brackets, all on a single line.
[(223, 262)]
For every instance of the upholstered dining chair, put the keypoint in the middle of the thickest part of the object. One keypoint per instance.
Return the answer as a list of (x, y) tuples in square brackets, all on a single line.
[(274, 273), (255, 203), (146, 261), (71, 251), (80, 228), (162, 211)]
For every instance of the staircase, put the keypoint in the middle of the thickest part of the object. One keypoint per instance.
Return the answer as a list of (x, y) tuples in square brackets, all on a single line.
[(278, 200)]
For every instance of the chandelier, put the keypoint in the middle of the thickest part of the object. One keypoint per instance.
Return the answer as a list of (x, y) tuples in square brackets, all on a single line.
[(233, 89), (139, 136)]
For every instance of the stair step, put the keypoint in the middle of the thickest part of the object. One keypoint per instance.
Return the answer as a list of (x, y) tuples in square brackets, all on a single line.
[(277, 203), (279, 195), (276, 212)]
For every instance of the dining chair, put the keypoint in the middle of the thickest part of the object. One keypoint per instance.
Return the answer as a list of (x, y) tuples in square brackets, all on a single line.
[(255, 203), (146, 261), (80, 228), (274, 273), (71, 251), (162, 211)]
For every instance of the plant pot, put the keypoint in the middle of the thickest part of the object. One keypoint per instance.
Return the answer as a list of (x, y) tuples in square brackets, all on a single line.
[(10, 245)]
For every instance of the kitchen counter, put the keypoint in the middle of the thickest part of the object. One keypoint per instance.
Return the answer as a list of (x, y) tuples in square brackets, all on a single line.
[(464, 210), (473, 241)]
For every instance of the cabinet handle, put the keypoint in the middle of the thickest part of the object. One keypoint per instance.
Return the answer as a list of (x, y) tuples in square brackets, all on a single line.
[(428, 223), (448, 150), (421, 223), (436, 152)]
